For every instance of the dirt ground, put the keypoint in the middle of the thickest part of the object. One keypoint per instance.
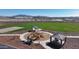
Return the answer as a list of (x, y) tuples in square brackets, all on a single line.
[(8, 42), (14, 42), (71, 44)]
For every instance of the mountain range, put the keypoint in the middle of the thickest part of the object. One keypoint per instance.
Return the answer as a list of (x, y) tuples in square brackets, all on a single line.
[(40, 18)]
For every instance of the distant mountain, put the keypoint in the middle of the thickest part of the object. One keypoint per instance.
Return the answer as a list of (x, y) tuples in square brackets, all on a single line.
[(21, 16), (40, 18)]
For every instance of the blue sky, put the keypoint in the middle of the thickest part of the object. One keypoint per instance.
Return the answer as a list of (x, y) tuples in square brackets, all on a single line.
[(40, 12)]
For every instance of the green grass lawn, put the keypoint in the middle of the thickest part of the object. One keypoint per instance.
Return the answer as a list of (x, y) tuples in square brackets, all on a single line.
[(54, 26)]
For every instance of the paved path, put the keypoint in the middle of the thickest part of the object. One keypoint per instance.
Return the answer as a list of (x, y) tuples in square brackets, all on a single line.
[(2, 46), (77, 37), (4, 30), (10, 34)]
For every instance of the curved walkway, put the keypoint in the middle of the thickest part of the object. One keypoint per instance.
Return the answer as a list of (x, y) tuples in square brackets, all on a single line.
[(4, 30)]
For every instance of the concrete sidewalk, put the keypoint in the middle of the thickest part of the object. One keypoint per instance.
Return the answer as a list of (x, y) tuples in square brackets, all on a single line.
[(10, 34), (5, 30)]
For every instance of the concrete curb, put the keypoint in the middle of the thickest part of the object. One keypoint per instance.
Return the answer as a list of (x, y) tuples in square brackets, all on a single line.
[(10, 34)]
